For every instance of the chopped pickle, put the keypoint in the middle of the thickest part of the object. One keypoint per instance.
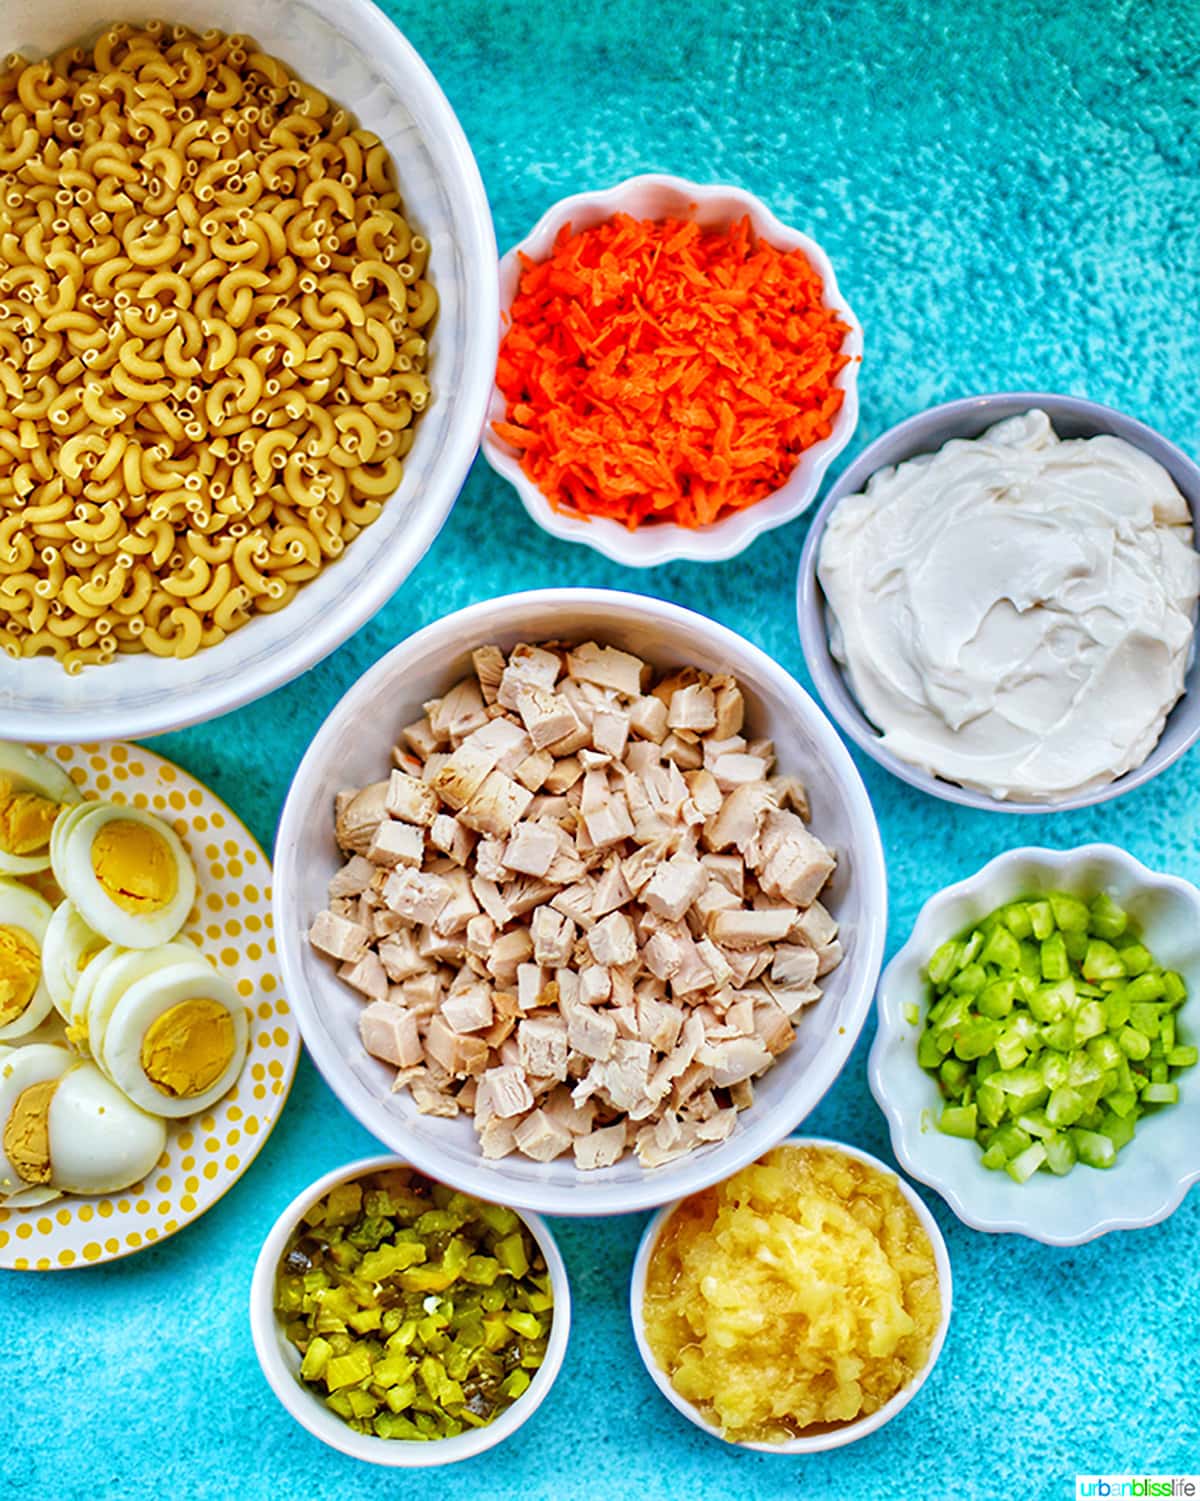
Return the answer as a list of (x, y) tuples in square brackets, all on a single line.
[(1048, 1051), (798, 1295), (418, 1312)]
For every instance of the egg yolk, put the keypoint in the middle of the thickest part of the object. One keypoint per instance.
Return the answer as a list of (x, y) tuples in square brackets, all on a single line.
[(134, 865), (26, 819), (20, 969), (188, 1047), (26, 1138)]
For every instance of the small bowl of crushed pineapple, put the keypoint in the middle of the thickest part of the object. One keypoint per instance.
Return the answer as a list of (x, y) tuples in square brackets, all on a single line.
[(746, 1327)]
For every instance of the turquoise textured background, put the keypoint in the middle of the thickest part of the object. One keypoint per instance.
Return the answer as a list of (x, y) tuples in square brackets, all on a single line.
[(1010, 194)]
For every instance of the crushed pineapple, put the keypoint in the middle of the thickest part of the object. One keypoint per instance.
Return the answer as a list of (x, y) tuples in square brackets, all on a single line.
[(801, 1293)]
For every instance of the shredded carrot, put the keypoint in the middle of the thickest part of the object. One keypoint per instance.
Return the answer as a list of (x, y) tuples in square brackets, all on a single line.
[(655, 371)]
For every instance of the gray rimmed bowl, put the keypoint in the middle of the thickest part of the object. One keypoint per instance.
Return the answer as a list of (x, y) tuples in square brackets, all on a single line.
[(1072, 417)]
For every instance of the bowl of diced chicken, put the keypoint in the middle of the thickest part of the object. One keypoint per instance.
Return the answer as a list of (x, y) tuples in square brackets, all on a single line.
[(580, 901)]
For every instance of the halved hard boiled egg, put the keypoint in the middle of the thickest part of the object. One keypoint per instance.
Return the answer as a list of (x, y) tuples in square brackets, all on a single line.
[(68, 947), (176, 1039), (24, 999), (64, 1128), (127, 874), (33, 793), (111, 974)]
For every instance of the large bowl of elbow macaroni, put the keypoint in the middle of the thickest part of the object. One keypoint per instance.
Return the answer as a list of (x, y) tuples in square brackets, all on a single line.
[(246, 346)]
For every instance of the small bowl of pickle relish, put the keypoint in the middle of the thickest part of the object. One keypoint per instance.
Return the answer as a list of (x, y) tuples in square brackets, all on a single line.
[(403, 1322)]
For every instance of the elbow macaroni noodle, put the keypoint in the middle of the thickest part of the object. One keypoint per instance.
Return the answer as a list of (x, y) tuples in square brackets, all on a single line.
[(213, 341)]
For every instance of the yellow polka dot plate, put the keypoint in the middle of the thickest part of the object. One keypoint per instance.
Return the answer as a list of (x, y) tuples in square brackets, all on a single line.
[(231, 920)]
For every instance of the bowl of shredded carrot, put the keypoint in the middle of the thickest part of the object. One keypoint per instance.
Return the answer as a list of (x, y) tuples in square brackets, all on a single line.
[(677, 370)]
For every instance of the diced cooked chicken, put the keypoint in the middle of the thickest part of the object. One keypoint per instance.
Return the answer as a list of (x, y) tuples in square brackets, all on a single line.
[(338, 937), (612, 941), (581, 893), (360, 816), (390, 1032), (541, 1137), (397, 843)]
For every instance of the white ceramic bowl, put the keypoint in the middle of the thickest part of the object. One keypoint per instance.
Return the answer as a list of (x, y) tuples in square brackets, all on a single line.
[(280, 1360), (655, 196), (1155, 1170), (1072, 417), (355, 53), (832, 1438), (351, 749)]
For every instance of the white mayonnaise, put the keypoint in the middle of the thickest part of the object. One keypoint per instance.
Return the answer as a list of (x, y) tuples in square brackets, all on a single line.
[(1015, 612)]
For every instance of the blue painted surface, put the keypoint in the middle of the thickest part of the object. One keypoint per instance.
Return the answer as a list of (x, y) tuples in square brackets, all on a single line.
[(1010, 194)]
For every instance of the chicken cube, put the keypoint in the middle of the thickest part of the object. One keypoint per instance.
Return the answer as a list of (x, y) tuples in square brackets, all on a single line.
[(397, 843), (390, 1033), (612, 941), (338, 937)]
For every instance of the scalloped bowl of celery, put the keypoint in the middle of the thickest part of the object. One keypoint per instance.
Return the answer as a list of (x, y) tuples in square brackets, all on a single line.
[(1036, 1048)]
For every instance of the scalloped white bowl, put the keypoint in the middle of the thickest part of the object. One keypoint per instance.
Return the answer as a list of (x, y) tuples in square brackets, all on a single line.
[(1159, 1165), (656, 196), (845, 1433), (353, 51)]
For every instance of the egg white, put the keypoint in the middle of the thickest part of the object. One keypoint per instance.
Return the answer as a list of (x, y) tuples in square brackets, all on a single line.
[(118, 970), (29, 772), (22, 908), (19, 1068), (120, 1050), (62, 827), (99, 1140), (67, 942), (73, 870)]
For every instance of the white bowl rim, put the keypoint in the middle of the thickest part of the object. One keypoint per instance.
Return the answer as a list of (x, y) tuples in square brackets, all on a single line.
[(177, 710), (902, 1131), (667, 542), (396, 1453), (848, 1433), (583, 1199), (827, 676)]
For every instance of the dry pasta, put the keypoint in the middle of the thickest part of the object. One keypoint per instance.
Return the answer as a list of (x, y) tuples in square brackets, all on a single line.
[(214, 318)]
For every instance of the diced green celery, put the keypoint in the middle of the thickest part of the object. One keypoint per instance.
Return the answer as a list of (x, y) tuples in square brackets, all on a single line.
[(1094, 1149), (1070, 913), (975, 1038), (985, 1067), (1122, 1102), (1054, 1069), (995, 1158), (1102, 962), (1015, 918), (1116, 1008), (954, 1074), (1060, 1153), (1036, 1123), (1065, 1106), (944, 962), (1002, 950), (1158, 1071), (1031, 960), (1161, 1094), (912, 1013), (1144, 1018), (1023, 1167), (1174, 990), (1166, 1032), (1136, 958), (1104, 1052), (1076, 946), (1133, 1044), (1118, 1128), (970, 949), (1182, 1056), (1010, 1050), (996, 999), (1041, 917), (1089, 1021), (970, 980), (929, 1050), (1060, 1035), (1146, 987), (991, 1101), (1055, 964), (1011, 1140), (1049, 1002), (955, 1120), (1106, 919)]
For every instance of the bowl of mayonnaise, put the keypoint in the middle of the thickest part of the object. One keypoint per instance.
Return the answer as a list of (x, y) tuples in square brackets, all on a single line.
[(998, 600)]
